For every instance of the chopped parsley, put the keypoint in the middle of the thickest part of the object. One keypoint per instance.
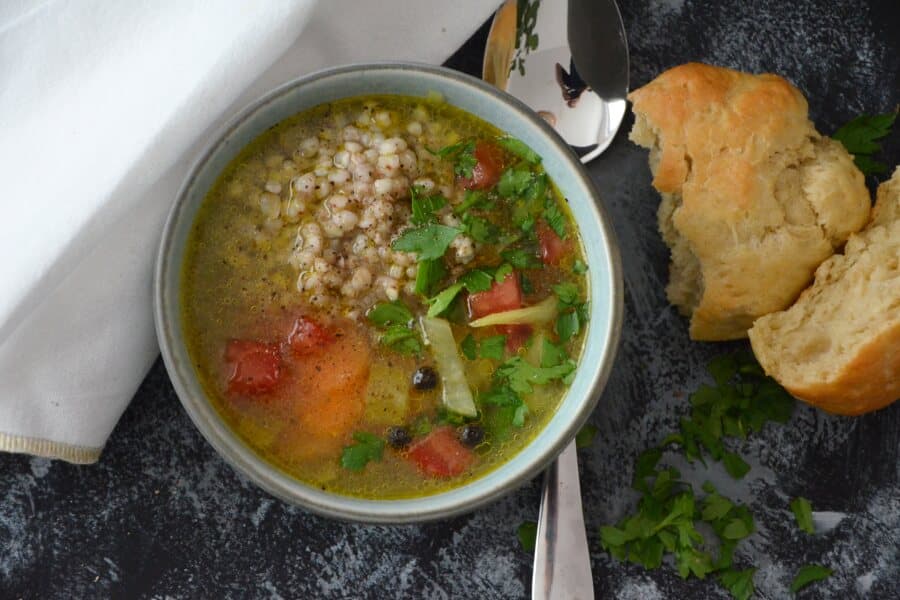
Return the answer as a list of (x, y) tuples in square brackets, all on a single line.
[(402, 339), (476, 280), (480, 229), (462, 155), (395, 319), (492, 347), (389, 313), (520, 149), (429, 241), (803, 514), (368, 447), (579, 268), (739, 583), (515, 181), (568, 293), (424, 207), (469, 347), (555, 217), (521, 258), (527, 534), (521, 375), (808, 574), (428, 274), (585, 436), (860, 137), (474, 199), (513, 409)]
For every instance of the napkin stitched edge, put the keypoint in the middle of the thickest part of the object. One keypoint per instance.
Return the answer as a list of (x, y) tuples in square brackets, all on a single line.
[(79, 455)]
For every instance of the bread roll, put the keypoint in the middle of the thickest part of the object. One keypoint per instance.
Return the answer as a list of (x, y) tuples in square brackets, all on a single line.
[(838, 347), (753, 198)]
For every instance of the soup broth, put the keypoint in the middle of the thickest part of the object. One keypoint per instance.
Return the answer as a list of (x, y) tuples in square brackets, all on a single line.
[(385, 296)]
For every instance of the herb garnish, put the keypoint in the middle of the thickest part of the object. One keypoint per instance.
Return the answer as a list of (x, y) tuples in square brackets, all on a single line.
[(520, 149), (476, 280), (860, 136), (808, 574), (429, 241), (803, 514), (368, 447), (462, 155), (395, 319), (424, 207), (585, 436), (526, 38), (527, 533)]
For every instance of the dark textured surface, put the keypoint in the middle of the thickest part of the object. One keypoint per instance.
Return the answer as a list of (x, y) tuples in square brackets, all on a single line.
[(161, 515)]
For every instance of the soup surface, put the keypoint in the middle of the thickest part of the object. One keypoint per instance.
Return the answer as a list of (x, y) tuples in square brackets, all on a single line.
[(385, 296)]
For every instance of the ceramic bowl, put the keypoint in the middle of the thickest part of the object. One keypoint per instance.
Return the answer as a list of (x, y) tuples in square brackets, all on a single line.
[(491, 105)]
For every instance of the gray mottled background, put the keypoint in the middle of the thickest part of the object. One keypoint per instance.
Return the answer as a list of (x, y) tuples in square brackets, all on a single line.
[(162, 516)]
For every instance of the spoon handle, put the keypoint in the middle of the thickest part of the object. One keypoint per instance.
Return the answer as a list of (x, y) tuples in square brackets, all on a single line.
[(562, 563)]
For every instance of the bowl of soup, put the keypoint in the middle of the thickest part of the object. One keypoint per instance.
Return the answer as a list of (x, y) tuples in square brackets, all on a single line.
[(388, 293)]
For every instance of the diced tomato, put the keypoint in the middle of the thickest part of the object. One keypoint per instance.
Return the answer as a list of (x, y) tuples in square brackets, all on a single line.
[(553, 248), (308, 337), (255, 367), (487, 169), (441, 454), (516, 335), (501, 297)]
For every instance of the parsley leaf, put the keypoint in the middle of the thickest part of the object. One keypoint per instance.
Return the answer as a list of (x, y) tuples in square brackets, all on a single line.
[(525, 283), (555, 217), (462, 155), (579, 268), (515, 181), (368, 447), (474, 199), (469, 347), (428, 241), (527, 533), (568, 325), (521, 258), (567, 292), (808, 574), (502, 271), (522, 376), (424, 207), (735, 465), (508, 410), (480, 229), (402, 339), (739, 583), (803, 513), (860, 136), (585, 436), (428, 274), (476, 280), (552, 354), (442, 301), (520, 149), (388, 313), (493, 347)]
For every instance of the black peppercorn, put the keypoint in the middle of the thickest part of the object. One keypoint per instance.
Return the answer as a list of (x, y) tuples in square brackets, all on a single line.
[(425, 378), (398, 437), (471, 435)]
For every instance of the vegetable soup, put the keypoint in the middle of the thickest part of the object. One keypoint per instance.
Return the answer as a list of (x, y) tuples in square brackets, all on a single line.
[(385, 296)]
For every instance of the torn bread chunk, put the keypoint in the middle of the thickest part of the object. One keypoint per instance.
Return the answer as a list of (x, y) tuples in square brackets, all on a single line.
[(753, 198), (838, 347)]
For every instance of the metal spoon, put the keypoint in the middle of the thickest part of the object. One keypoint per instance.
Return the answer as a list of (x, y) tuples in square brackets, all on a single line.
[(576, 76), (589, 101)]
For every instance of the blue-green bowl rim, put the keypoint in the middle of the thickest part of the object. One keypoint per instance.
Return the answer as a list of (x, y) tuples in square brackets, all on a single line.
[(242, 458)]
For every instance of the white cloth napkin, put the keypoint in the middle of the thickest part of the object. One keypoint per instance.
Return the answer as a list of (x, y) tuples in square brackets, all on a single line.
[(103, 106)]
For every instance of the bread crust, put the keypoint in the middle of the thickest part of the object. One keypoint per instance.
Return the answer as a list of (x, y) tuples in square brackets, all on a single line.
[(871, 380), (761, 199), (859, 369)]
